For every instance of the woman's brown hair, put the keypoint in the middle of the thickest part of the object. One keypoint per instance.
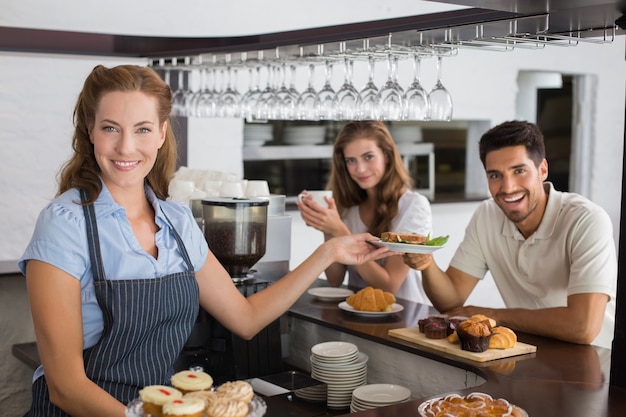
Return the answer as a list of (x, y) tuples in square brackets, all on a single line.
[(81, 170), (395, 180)]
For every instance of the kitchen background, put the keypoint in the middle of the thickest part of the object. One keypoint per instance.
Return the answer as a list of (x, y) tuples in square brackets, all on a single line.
[(37, 94)]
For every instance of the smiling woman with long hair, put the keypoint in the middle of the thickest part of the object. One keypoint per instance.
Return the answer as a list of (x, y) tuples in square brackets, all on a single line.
[(372, 192), (116, 272)]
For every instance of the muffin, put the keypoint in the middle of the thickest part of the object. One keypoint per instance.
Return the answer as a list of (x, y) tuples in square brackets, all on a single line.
[(441, 319), (453, 322), (474, 336), (154, 396), (189, 381), (236, 390), (184, 407), (436, 330), (482, 317)]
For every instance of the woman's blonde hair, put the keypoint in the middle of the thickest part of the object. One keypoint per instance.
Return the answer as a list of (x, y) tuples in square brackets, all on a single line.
[(395, 180), (81, 170)]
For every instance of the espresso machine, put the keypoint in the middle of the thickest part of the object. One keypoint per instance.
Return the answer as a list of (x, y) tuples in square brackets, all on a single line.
[(252, 240)]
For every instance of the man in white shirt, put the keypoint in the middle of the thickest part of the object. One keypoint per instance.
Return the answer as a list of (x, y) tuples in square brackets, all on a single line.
[(551, 254)]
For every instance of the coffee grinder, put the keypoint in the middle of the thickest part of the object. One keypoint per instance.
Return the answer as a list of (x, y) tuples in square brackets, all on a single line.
[(254, 248)]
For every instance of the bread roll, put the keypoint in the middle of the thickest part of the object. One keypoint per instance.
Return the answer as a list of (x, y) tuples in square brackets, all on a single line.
[(502, 338)]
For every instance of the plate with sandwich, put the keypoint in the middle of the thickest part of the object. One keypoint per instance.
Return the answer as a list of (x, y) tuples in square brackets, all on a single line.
[(410, 242)]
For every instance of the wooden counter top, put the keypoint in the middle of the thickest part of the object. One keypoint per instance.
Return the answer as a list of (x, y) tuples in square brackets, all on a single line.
[(560, 379)]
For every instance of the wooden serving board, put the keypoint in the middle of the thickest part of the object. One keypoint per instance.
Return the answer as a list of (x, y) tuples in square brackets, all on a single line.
[(412, 334)]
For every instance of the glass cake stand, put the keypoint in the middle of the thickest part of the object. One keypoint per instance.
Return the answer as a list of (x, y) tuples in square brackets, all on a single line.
[(256, 406)]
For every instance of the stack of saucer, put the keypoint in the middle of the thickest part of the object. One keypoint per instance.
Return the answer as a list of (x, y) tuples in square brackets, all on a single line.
[(342, 367), (378, 395), (315, 394)]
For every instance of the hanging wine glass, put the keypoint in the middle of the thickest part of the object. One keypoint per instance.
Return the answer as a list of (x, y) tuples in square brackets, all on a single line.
[(205, 103), (306, 101), (178, 98), (267, 98), (326, 96), (193, 102), (416, 102), (366, 104), (285, 101), (390, 97), (344, 102), (230, 97), (250, 98), (440, 99), (292, 85)]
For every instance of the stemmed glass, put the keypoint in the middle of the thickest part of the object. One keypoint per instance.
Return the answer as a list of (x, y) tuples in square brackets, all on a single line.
[(250, 98), (179, 99), (416, 102), (205, 103), (292, 85), (440, 99), (306, 101), (345, 100), (285, 99), (326, 96), (230, 98), (366, 104), (390, 97), (267, 98)]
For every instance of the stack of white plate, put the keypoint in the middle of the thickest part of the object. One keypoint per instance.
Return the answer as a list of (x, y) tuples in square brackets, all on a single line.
[(378, 395), (304, 135), (342, 367), (257, 135)]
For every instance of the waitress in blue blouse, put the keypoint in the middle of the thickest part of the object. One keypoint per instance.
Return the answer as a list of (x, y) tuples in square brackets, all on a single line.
[(115, 273)]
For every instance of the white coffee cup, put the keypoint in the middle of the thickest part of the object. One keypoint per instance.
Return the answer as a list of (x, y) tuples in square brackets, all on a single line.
[(180, 190), (317, 196), (232, 189), (257, 188)]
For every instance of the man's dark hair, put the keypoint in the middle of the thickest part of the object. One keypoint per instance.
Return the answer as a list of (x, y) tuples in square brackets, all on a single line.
[(514, 133)]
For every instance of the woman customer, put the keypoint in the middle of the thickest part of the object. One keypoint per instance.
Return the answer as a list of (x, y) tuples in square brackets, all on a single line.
[(115, 273), (372, 192)]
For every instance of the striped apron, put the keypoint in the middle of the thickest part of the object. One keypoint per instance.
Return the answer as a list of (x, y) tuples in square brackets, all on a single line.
[(146, 324)]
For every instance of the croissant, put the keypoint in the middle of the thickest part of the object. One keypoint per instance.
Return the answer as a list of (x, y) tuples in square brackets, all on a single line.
[(371, 299), (502, 338)]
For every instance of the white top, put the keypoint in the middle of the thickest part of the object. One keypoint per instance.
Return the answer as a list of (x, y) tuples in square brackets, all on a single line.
[(572, 252), (414, 216)]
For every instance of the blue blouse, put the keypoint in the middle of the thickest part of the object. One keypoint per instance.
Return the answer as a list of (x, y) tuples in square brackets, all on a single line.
[(60, 239)]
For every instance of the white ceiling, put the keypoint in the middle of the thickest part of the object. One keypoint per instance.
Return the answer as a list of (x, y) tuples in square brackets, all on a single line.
[(203, 18)]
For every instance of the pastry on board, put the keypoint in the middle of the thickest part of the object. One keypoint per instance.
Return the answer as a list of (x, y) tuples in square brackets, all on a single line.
[(502, 338), (474, 335)]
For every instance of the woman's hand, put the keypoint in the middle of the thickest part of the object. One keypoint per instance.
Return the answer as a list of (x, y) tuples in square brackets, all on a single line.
[(324, 219), (355, 249)]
